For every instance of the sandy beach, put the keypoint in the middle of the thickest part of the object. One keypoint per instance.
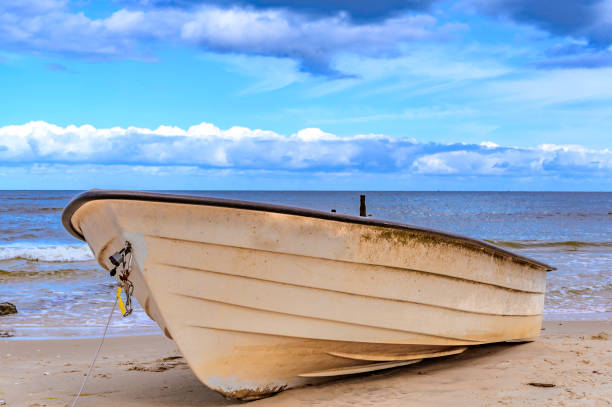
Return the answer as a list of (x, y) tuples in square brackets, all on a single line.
[(571, 362)]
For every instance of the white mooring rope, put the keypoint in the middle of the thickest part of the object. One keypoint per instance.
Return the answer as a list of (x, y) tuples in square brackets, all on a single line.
[(97, 353)]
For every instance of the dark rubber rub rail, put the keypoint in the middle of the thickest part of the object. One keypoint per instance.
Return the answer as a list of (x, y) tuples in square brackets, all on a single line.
[(99, 194)]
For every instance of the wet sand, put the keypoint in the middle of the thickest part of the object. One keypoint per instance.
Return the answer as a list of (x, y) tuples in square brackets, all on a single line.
[(570, 365)]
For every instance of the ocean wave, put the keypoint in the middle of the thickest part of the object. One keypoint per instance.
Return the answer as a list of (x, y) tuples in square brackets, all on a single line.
[(12, 236), (525, 244), (45, 273), (29, 196), (30, 209), (50, 253)]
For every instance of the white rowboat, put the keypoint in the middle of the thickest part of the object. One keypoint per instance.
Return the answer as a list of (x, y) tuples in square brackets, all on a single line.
[(260, 297)]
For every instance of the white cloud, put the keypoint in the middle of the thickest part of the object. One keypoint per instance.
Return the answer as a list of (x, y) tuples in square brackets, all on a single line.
[(206, 146), (579, 19), (314, 134), (51, 27), (489, 144), (567, 160), (314, 42)]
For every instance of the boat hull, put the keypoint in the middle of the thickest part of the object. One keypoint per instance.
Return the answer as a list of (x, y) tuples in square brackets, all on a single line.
[(258, 301)]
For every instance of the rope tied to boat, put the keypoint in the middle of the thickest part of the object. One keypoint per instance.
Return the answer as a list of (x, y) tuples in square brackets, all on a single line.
[(122, 260), (118, 260)]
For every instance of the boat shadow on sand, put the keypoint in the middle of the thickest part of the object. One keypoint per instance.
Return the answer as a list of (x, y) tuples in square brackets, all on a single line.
[(169, 381)]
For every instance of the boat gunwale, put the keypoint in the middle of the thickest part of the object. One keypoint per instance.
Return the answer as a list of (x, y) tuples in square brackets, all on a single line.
[(99, 194)]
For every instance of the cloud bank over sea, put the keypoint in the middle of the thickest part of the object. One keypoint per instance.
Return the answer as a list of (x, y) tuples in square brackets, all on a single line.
[(205, 149)]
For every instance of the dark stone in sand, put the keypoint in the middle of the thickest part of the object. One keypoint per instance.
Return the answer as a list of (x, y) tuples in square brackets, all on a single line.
[(7, 308), (7, 334), (536, 384)]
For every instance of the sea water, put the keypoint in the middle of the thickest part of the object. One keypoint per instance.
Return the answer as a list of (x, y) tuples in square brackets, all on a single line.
[(60, 291)]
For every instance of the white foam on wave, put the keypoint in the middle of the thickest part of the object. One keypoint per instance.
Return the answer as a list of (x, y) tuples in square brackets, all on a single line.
[(51, 253)]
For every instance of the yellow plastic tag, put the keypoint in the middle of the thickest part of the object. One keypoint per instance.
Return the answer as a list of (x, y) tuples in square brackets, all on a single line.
[(120, 301)]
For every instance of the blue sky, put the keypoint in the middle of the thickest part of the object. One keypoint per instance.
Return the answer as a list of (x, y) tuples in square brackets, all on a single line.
[(266, 94)]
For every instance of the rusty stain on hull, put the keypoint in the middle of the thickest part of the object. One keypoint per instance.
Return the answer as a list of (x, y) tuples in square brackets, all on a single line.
[(409, 238), (251, 394)]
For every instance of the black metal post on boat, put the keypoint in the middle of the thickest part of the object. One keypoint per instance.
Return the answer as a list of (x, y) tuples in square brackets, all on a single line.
[(362, 206)]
